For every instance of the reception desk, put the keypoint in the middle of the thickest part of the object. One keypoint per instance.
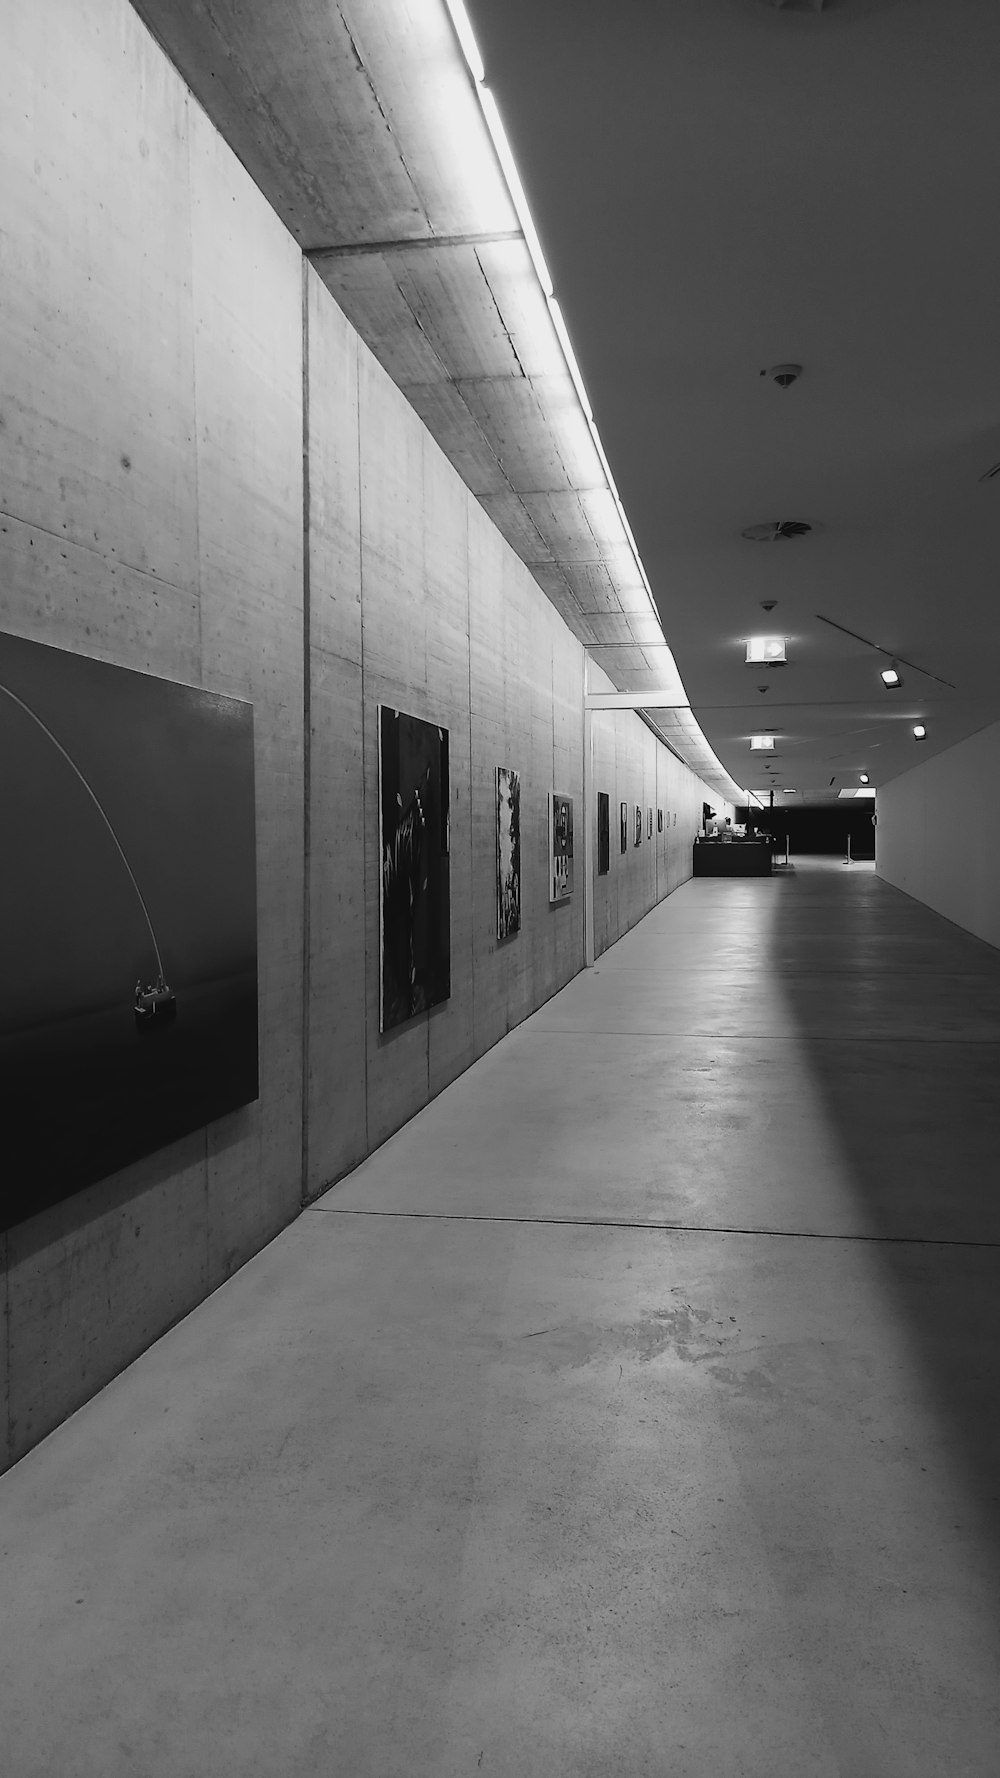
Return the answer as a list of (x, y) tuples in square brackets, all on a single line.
[(733, 858)]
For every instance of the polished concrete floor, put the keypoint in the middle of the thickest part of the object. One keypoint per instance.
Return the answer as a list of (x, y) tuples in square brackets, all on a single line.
[(632, 1412)]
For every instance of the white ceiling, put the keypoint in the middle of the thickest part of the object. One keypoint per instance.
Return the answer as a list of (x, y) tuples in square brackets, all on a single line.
[(719, 185)]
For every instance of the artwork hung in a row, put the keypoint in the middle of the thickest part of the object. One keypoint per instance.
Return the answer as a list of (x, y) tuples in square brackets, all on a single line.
[(508, 852), (659, 820), (560, 847), (414, 883), (649, 824), (128, 918), (603, 833), (624, 822), (638, 825)]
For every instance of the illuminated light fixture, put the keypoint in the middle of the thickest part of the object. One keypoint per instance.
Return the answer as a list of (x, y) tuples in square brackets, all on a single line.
[(762, 743), (574, 369), (467, 40), (864, 777), (890, 677), (505, 156), (765, 651), (919, 732)]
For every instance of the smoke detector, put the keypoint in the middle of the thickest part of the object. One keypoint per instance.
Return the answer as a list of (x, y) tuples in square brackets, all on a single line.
[(778, 530), (783, 374)]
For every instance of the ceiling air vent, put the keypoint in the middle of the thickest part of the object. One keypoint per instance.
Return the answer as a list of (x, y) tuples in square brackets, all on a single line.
[(774, 533), (800, 5)]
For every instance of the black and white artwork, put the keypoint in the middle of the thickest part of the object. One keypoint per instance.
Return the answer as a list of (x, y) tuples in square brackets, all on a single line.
[(603, 833), (649, 824), (128, 918), (638, 825), (508, 852), (659, 820), (414, 879), (560, 847), (624, 824)]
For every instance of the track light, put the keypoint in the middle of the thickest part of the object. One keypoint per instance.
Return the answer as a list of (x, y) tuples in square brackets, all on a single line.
[(864, 777), (890, 677), (919, 732)]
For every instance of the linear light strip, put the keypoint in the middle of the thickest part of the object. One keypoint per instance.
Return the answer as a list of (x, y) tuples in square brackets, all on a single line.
[(494, 123)]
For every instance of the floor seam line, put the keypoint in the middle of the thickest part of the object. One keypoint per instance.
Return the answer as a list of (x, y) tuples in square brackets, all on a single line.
[(652, 1228), (767, 1036)]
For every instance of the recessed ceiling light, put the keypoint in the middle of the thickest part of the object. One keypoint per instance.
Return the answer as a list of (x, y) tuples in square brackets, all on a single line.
[(762, 743), (778, 531), (919, 732), (890, 677), (864, 777), (765, 651)]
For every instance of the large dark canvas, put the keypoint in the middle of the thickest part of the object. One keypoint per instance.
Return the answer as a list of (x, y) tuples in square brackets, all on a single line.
[(414, 877), (603, 833), (508, 852), (128, 918)]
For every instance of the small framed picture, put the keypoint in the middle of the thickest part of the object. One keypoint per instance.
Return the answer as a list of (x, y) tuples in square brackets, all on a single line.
[(624, 822), (638, 825), (649, 824), (659, 820)]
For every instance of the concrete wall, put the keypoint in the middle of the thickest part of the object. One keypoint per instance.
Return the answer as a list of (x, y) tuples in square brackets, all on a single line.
[(205, 475), (937, 835)]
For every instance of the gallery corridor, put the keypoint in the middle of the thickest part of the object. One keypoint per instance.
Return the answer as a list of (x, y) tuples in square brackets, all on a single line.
[(630, 1414)]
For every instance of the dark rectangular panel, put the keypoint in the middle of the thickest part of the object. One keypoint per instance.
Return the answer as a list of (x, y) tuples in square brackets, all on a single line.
[(128, 917), (414, 881)]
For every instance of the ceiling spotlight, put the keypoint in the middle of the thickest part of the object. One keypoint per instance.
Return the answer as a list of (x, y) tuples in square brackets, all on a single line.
[(864, 777), (762, 743), (785, 374), (919, 732), (778, 531), (765, 651), (890, 677)]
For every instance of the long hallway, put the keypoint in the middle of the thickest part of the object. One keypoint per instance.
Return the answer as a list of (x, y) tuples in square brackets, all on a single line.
[(630, 1414)]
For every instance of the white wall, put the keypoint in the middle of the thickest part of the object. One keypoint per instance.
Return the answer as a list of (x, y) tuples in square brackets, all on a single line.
[(938, 836), (205, 477)]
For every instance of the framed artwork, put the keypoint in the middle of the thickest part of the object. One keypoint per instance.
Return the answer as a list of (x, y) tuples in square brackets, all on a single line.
[(414, 883), (649, 824), (560, 847), (128, 918), (638, 825), (508, 787), (659, 820), (624, 824), (603, 833), (675, 817)]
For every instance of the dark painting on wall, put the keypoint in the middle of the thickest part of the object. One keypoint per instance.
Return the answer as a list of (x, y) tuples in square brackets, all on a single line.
[(508, 852), (659, 820), (638, 825), (624, 822), (128, 918), (560, 847), (415, 953), (603, 833), (649, 824)]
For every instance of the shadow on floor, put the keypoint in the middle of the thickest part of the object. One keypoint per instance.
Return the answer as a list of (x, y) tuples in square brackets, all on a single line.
[(917, 1115)]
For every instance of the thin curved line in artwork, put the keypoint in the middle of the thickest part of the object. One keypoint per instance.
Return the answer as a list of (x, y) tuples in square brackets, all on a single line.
[(157, 999)]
